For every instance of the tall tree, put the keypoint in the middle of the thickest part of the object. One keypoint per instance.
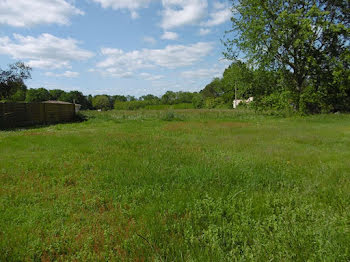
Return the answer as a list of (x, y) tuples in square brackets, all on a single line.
[(237, 82), (213, 89), (12, 79), (306, 41)]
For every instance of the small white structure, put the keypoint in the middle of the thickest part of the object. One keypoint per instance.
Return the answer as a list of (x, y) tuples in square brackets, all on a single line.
[(77, 108), (236, 102)]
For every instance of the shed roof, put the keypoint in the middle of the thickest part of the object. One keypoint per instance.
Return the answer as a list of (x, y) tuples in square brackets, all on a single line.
[(56, 102)]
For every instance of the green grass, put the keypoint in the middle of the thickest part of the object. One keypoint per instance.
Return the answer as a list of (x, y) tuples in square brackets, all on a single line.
[(169, 107), (184, 185)]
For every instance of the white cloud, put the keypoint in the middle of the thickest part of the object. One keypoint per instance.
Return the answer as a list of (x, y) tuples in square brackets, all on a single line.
[(45, 51), (68, 74), (170, 36), (22, 13), (204, 31), (178, 13), (114, 72), (219, 5), (123, 4), (221, 15), (131, 5), (203, 73), (118, 62), (150, 77), (149, 40)]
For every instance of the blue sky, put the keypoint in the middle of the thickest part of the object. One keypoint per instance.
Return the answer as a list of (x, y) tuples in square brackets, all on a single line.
[(128, 47)]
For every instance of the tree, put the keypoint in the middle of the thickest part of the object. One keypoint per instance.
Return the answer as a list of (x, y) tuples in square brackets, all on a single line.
[(198, 100), (130, 98), (37, 95), (12, 80), (237, 82), (76, 97), (55, 94), (149, 97), (169, 98), (18, 91), (184, 97), (307, 42), (119, 98), (213, 89), (101, 102)]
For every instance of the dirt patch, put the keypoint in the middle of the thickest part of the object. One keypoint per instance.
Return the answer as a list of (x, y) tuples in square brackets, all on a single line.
[(37, 133)]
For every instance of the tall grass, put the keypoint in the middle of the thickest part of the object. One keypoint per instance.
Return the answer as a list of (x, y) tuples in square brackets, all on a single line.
[(209, 185)]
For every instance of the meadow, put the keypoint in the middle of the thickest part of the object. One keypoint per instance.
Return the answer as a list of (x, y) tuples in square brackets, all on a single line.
[(179, 185)]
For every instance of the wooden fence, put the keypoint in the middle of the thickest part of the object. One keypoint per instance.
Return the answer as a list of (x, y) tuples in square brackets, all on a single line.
[(27, 114)]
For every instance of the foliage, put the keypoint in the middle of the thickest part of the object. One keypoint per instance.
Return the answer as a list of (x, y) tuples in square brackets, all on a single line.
[(221, 185), (56, 94), (167, 107), (77, 98), (12, 80), (171, 116), (198, 100), (168, 98), (212, 102), (37, 95), (101, 102), (149, 97), (213, 89), (277, 101), (19, 89), (306, 42)]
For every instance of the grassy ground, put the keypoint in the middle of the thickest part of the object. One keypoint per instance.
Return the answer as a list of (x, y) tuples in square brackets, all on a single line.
[(170, 107), (187, 185)]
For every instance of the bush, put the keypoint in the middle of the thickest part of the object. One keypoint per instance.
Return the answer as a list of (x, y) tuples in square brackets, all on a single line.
[(277, 101), (175, 106), (131, 105), (171, 116), (212, 102), (198, 101), (310, 101), (101, 102)]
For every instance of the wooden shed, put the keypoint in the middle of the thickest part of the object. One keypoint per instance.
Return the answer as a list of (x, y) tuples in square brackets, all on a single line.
[(27, 114)]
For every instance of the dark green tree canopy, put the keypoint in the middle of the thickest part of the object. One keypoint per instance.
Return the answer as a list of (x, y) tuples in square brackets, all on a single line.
[(37, 95), (149, 97)]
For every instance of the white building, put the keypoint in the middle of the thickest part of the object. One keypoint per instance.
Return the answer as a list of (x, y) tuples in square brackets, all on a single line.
[(236, 102)]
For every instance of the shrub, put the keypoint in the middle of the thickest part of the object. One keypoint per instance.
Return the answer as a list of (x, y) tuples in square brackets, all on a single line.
[(171, 116), (198, 101), (310, 101), (277, 101), (131, 105), (101, 102), (212, 102)]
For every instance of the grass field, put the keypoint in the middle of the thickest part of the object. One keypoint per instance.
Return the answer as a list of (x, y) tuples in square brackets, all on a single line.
[(186, 185)]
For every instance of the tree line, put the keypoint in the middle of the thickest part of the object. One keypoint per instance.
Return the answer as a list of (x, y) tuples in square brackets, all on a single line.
[(13, 89)]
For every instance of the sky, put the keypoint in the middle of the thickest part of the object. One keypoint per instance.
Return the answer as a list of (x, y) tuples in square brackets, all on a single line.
[(116, 47)]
